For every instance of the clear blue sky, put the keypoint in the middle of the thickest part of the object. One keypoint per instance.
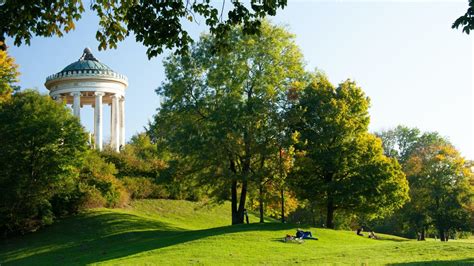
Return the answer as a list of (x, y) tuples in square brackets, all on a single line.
[(416, 70)]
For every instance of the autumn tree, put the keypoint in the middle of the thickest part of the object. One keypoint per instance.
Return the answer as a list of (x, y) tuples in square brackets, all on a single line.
[(8, 75), (220, 112), (402, 143), (339, 165), (156, 24), (441, 193), (271, 183)]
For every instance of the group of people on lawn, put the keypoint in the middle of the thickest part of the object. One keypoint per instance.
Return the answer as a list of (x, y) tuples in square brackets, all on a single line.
[(300, 234)]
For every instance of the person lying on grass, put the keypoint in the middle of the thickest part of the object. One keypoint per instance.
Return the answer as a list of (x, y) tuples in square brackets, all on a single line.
[(304, 234), (292, 239)]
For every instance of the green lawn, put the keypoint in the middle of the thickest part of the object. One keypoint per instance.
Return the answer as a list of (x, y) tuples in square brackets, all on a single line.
[(165, 232)]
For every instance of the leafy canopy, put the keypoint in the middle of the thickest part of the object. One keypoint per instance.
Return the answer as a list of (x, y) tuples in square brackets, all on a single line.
[(156, 24), (466, 21), (439, 186), (221, 112), (339, 165), (42, 146)]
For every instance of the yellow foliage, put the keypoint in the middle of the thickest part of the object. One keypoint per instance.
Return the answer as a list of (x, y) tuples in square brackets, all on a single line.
[(8, 75)]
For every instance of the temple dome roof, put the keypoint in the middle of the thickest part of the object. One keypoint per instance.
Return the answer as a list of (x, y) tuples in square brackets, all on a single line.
[(87, 65)]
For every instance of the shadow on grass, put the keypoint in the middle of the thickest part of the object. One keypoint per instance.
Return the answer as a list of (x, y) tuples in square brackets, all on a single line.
[(393, 239), (96, 238), (467, 261)]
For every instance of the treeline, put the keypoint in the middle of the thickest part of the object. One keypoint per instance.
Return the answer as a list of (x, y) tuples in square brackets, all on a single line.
[(441, 186), (250, 126), (255, 128)]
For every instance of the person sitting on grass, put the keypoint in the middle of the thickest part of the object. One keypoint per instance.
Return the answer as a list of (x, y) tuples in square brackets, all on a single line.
[(304, 234), (359, 231)]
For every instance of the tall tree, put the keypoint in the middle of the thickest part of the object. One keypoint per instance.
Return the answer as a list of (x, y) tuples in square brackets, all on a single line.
[(157, 24), (220, 111), (441, 193), (341, 167), (399, 142), (42, 146), (414, 149)]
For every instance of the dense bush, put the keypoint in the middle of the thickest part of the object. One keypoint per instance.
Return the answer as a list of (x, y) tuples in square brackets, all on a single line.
[(139, 158), (144, 188), (98, 186)]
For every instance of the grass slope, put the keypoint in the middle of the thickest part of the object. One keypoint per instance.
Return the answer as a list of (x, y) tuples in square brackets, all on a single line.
[(165, 232)]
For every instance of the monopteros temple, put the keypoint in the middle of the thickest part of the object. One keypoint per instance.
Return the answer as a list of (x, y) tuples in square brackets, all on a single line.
[(90, 82)]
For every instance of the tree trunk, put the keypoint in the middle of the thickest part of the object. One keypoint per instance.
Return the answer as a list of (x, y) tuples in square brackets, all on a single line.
[(3, 45), (234, 202), (422, 235), (330, 203), (330, 214), (260, 190), (442, 235), (313, 216), (282, 205), (243, 197)]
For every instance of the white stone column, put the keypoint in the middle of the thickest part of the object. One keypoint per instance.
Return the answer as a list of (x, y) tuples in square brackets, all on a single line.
[(98, 120), (122, 121), (76, 105), (115, 140)]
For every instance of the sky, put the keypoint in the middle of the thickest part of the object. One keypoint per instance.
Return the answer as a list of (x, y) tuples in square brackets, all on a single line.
[(416, 70)]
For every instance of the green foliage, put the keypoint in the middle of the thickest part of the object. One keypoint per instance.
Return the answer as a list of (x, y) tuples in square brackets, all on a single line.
[(21, 19), (8, 75), (98, 184), (220, 114), (140, 168), (440, 189), (139, 158), (427, 160), (144, 188), (271, 199), (181, 181), (156, 24), (42, 146), (399, 142), (95, 187), (466, 21), (340, 166), (402, 141)]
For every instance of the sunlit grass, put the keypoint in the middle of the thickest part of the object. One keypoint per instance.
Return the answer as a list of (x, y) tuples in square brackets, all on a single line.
[(166, 232)]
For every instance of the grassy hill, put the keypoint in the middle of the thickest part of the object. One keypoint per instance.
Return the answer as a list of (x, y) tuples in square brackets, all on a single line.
[(166, 232)]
